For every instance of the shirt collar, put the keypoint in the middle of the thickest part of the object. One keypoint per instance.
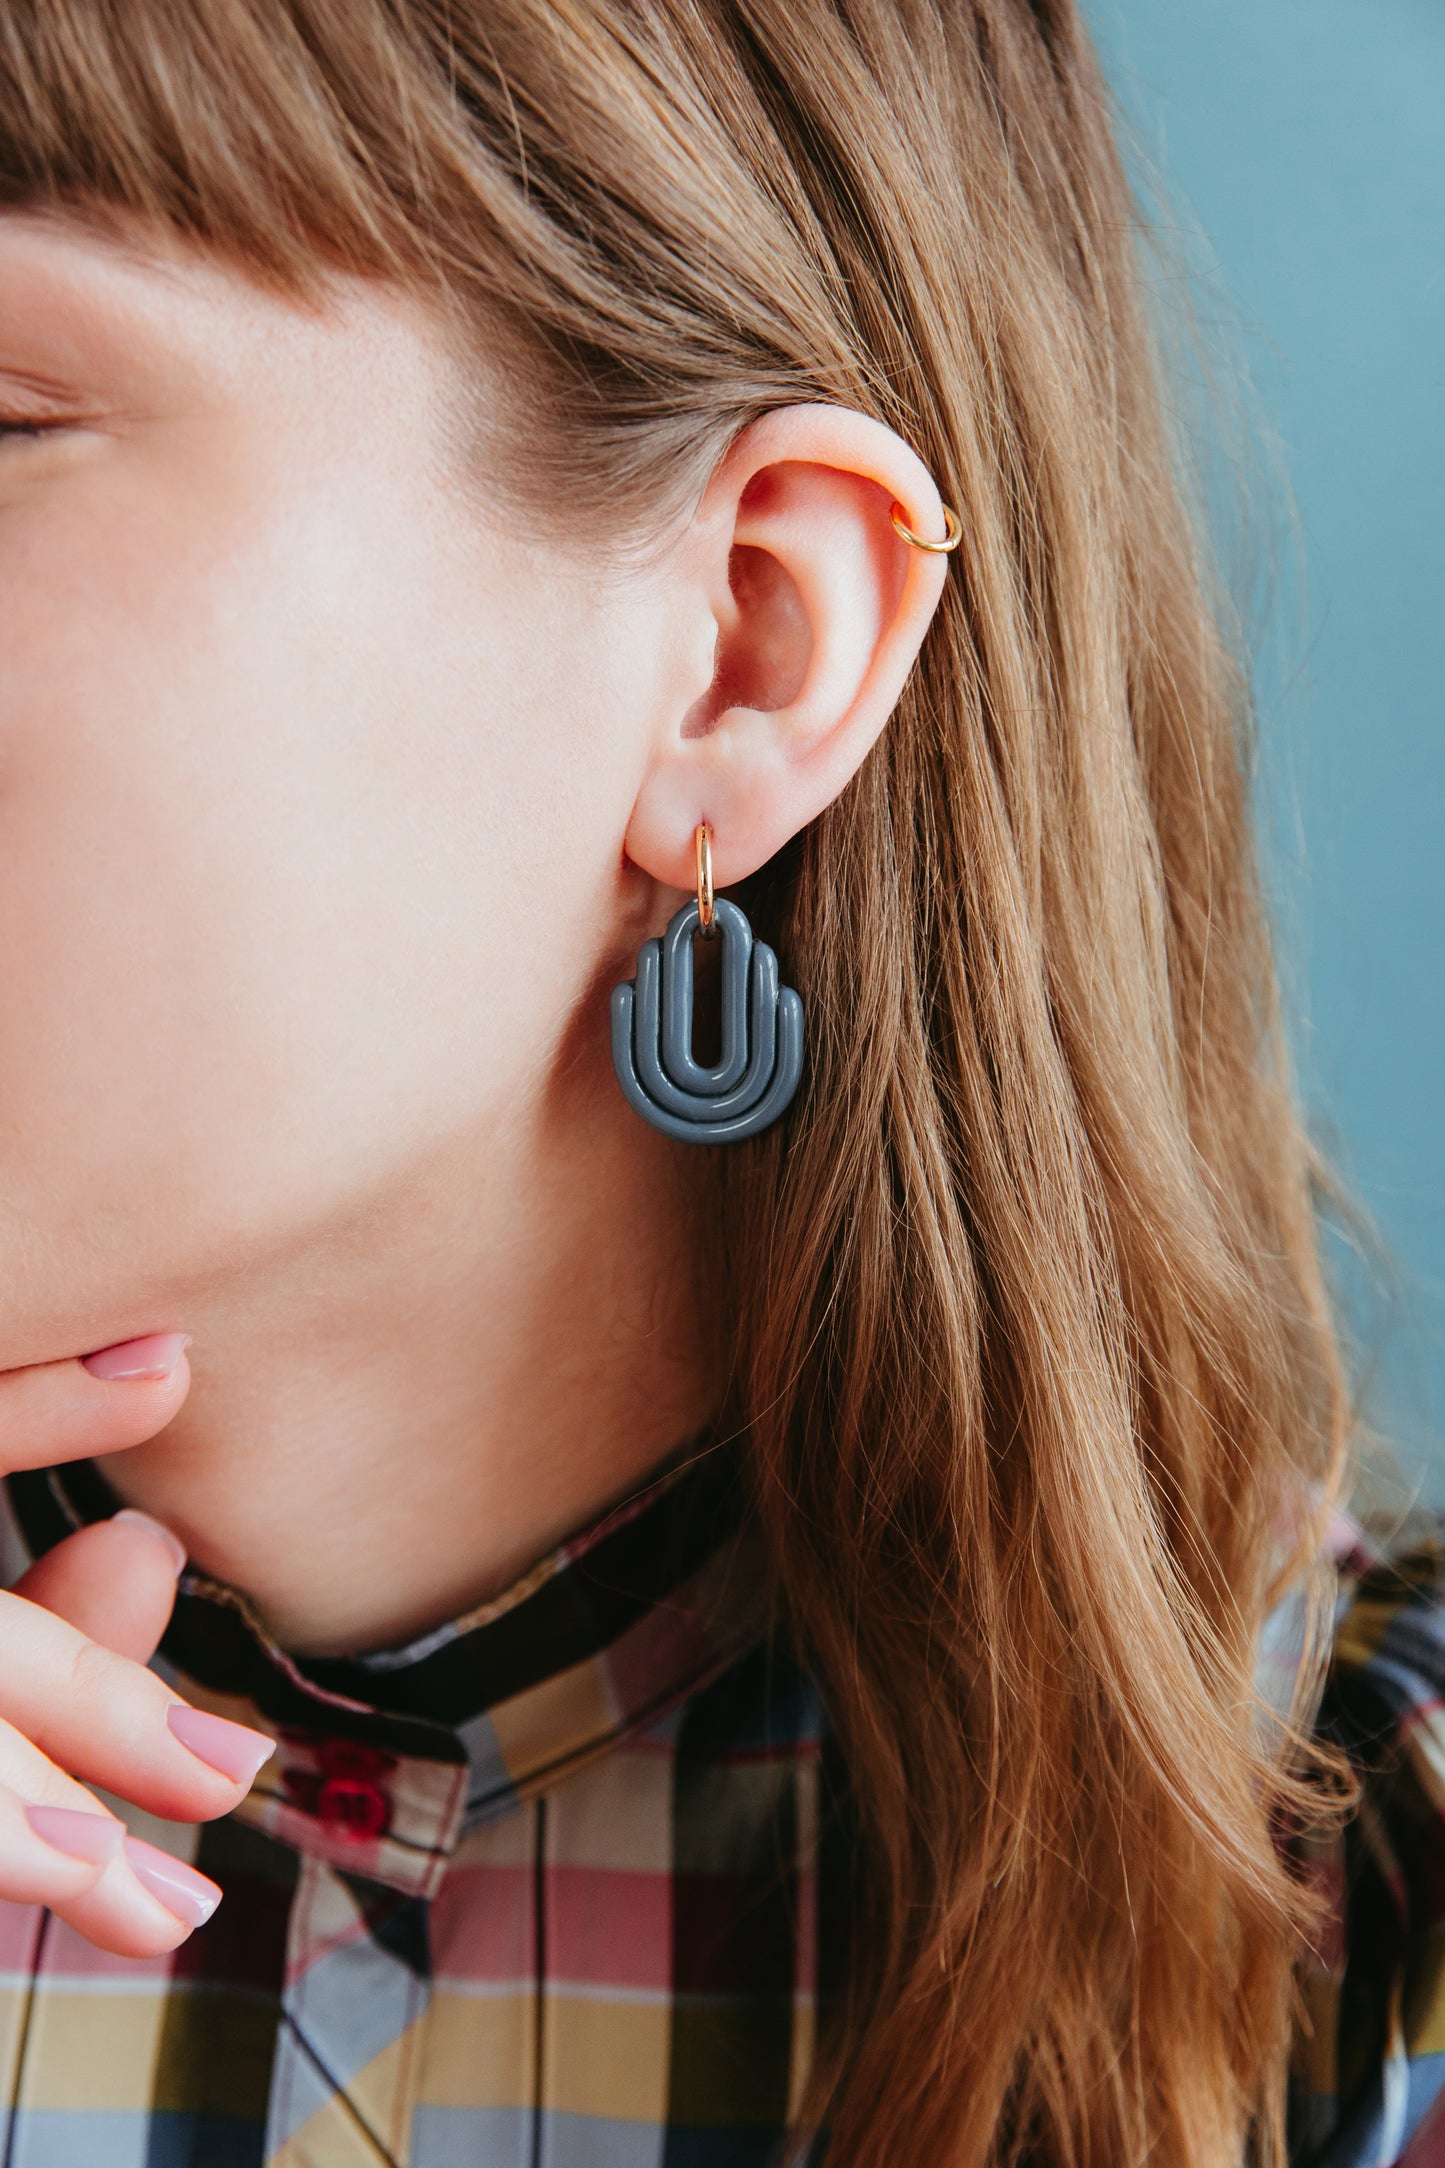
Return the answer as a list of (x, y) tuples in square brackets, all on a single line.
[(383, 1761)]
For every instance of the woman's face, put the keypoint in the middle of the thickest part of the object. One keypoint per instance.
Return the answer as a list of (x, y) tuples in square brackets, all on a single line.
[(314, 772)]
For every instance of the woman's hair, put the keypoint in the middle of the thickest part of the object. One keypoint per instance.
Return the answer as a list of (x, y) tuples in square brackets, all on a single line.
[(1035, 1361)]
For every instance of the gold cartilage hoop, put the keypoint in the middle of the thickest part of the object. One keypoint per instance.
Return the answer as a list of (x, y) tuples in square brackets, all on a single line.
[(952, 536)]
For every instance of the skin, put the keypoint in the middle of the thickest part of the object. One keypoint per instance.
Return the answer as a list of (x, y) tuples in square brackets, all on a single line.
[(332, 805)]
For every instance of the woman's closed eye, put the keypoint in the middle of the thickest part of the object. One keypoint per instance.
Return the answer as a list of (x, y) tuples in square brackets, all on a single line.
[(27, 437), (24, 423), (31, 411)]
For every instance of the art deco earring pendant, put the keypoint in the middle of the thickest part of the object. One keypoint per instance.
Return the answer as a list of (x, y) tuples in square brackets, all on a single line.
[(762, 1027)]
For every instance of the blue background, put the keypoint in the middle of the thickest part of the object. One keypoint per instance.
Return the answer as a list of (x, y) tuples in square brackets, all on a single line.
[(1301, 146)]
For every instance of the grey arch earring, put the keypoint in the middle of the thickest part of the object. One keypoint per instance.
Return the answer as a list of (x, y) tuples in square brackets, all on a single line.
[(757, 1073)]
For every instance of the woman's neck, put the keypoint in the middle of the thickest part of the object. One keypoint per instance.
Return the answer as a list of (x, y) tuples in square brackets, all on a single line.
[(389, 1424)]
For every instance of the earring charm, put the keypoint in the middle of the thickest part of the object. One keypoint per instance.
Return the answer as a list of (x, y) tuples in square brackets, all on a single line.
[(761, 1061)]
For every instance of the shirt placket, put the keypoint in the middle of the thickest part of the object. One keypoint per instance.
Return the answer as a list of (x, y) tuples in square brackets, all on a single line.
[(374, 1831), (353, 2013)]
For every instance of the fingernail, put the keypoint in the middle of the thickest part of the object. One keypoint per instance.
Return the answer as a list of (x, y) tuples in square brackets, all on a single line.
[(190, 1896), (95, 1837), (174, 1546), (155, 1355), (234, 1749)]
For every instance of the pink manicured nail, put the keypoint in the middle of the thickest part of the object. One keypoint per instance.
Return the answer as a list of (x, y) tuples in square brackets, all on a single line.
[(95, 1837), (234, 1749), (155, 1355), (134, 1518), (190, 1896)]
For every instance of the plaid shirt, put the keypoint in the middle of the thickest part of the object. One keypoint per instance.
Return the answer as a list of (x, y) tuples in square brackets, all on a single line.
[(554, 1886), (1368, 2084)]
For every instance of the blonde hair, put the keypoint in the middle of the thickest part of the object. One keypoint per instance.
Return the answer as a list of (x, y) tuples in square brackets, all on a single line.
[(1034, 1358)]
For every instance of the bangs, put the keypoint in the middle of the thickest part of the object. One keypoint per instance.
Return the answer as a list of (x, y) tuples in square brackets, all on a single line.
[(474, 159), (292, 139)]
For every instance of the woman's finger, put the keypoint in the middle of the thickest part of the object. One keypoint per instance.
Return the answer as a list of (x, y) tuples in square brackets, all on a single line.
[(114, 1582), (122, 1894), (74, 1693), (111, 1722), (142, 1903), (67, 1411), (52, 1855)]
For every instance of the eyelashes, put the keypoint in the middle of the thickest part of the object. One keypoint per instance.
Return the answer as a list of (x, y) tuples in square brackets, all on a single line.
[(18, 436)]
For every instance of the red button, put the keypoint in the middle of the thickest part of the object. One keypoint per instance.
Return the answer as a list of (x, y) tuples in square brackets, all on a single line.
[(346, 1792), (353, 1807), (343, 1758)]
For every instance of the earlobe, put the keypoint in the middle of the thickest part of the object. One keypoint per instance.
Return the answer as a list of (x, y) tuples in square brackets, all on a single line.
[(819, 606)]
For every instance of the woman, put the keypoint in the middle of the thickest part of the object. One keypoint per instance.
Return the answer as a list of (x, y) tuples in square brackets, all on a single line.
[(738, 1649)]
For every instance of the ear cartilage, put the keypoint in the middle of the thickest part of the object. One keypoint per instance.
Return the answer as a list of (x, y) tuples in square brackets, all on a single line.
[(761, 1060)]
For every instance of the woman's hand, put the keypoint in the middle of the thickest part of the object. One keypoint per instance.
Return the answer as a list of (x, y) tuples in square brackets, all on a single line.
[(76, 1701)]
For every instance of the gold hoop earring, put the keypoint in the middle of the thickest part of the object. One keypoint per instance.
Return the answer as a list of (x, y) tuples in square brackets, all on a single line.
[(953, 530), (706, 906)]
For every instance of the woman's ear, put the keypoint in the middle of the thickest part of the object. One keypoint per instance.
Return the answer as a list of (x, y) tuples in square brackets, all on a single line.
[(813, 608)]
